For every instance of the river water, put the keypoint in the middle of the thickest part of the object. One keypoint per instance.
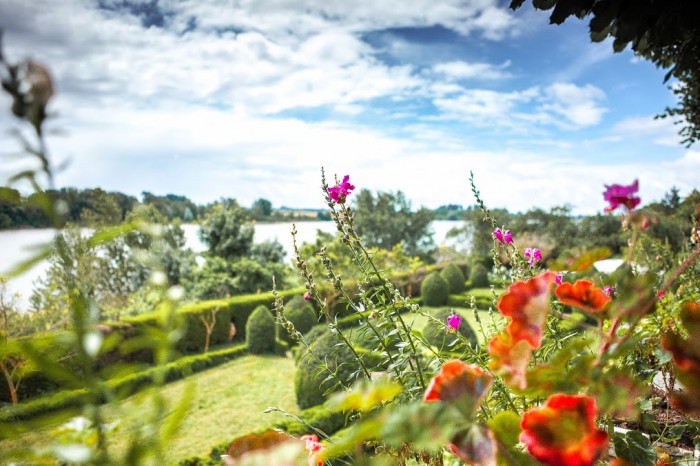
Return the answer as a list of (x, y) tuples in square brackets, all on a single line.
[(19, 245)]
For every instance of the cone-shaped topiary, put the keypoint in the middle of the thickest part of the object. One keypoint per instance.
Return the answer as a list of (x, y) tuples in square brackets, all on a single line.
[(455, 278), (479, 277), (312, 381), (434, 290), (441, 336), (260, 331), (301, 314)]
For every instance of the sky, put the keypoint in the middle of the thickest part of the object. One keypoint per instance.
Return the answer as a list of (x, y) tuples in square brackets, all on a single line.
[(250, 99)]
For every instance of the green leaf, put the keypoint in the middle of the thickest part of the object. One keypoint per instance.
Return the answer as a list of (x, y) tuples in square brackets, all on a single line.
[(583, 261), (364, 396), (506, 427), (635, 448)]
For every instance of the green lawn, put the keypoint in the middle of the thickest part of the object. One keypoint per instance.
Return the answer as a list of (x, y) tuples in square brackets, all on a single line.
[(228, 401)]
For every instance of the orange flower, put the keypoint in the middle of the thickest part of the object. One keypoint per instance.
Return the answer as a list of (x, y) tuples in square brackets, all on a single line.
[(527, 304), (511, 357), (459, 383), (563, 431), (583, 295)]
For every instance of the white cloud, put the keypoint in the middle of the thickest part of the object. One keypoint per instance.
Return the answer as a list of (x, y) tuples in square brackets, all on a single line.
[(457, 70), (581, 106), (660, 131)]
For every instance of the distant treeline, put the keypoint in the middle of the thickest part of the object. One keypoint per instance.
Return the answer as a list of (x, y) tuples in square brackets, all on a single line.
[(90, 207)]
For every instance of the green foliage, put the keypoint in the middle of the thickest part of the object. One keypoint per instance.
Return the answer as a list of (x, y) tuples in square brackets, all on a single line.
[(260, 331), (301, 314), (434, 290), (387, 220), (320, 368), (664, 33), (479, 277), (226, 230), (437, 334), (455, 278)]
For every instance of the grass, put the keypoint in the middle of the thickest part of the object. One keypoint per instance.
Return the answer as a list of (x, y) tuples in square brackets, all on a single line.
[(227, 401)]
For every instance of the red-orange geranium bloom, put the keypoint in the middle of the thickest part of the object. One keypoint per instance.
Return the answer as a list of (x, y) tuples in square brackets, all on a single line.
[(563, 431), (583, 295), (511, 357), (527, 304), (459, 383)]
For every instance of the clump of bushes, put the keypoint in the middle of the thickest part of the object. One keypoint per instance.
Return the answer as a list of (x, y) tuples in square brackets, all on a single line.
[(434, 290), (439, 336), (260, 331), (311, 381), (479, 277), (455, 278)]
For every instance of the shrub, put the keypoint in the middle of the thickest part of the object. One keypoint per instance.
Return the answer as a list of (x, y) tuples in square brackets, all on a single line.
[(434, 290), (438, 336), (260, 331), (301, 314), (479, 277), (311, 381), (455, 278)]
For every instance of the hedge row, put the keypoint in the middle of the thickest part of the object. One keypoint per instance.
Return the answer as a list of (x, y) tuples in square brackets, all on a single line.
[(319, 417), (123, 387)]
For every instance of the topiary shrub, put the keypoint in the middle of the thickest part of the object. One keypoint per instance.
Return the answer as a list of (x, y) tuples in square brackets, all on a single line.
[(438, 336), (312, 381), (301, 314), (260, 331), (434, 290), (479, 277), (455, 278)]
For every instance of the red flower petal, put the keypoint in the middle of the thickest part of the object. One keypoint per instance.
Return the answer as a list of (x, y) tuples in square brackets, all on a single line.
[(460, 383), (563, 431), (583, 295), (510, 357), (527, 304)]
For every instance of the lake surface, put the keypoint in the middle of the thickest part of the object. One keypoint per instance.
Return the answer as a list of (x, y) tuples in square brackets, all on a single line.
[(19, 245)]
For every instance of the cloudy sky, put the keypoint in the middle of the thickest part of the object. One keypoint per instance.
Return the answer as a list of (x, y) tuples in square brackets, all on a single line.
[(250, 98)]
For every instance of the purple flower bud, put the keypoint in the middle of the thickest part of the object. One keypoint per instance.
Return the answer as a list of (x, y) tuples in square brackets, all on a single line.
[(307, 296), (498, 234), (453, 322), (508, 237)]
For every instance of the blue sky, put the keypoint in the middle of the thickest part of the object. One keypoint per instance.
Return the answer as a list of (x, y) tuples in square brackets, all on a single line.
[(249, 99)]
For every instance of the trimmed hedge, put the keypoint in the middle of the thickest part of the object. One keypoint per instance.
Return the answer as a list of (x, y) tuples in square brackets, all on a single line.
[(260, 331), (434, 290), (123, 386), (300, 313), (479, 277), (455, 278)]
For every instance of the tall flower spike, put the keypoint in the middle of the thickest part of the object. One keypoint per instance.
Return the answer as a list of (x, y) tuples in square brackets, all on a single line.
[(563, 431)]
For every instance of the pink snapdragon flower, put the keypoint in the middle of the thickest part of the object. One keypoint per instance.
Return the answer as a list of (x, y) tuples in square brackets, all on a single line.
[(533, 255), (314, 449), (558, 279), (453, 322), (505, 237), (620, 195), (609, 290), (341, 191), (307, 296), (660, 295)]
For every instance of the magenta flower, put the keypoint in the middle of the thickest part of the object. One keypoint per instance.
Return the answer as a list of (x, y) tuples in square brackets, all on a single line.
[(609, 290), (619, 195), (533, 255), (341, 191), (505, 237), (661, 294), (453, 322), (558, 279), (307, 296)]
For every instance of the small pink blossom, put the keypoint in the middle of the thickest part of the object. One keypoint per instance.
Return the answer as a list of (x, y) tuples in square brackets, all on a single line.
[(661, 294), (314, 449), (505, 237), (341, 191), (620, 195), (558, 279), (609, 290), (533, 255), (307, 296), (453, 322)]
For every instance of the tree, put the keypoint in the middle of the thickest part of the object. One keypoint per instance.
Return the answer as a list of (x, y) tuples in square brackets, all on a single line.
[(226, 230), (387, 220), (663, 32), (261, 209)]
